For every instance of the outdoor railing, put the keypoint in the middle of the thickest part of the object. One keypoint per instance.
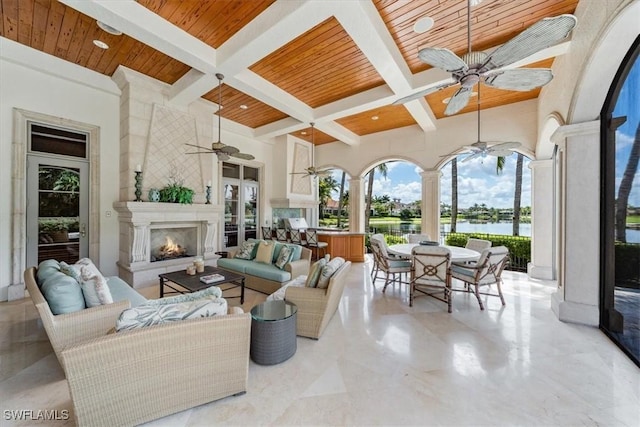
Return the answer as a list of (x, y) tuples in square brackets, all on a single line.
[(519, 246)]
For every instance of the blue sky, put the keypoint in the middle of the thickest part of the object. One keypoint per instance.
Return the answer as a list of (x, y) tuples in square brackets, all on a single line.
[(628, 105), (477, 183)]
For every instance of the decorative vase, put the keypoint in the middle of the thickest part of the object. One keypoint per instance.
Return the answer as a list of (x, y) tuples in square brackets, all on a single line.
[(154, 195)]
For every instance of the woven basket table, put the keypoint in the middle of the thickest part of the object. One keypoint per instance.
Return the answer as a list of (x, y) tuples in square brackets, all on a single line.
[(273, 332)]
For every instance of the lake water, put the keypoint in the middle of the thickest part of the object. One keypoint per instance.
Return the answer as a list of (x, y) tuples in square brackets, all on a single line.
[(633, 236)]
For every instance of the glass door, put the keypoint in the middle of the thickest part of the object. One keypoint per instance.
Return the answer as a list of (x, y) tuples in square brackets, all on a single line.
[(57, 210), (250, 211), (231, 217)]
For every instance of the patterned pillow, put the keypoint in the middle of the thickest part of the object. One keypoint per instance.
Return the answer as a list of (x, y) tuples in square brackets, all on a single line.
[(328, 271), (94, 286), (314, 273), (158, 313), (212, 293), (246, 250), (284, 257), (265, 252)]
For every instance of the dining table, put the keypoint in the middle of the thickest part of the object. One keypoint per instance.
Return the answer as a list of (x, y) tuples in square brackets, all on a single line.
[(458, 254)]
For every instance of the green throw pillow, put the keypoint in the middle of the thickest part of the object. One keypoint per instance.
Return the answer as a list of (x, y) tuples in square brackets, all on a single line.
[(314, 273), (284, 257)]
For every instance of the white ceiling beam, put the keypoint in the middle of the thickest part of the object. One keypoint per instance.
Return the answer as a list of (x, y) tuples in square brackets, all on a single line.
[(191, 86)]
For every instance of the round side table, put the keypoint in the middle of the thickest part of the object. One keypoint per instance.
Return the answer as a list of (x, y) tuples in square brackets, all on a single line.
[(273, 332)]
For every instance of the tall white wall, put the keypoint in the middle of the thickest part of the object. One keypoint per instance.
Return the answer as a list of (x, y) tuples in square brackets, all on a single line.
[(37, 82)]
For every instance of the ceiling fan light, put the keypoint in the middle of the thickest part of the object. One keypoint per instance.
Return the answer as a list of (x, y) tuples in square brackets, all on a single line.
[(217, 146), (101, 44)]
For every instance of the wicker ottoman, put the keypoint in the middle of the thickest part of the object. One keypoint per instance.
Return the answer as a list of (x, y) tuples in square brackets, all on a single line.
[(273, 332)]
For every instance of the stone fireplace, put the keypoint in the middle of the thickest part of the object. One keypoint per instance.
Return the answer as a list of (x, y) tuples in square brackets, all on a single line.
[(145, 228)]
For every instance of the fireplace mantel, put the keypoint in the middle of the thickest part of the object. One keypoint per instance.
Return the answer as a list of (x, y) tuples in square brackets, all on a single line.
[(136, 221)]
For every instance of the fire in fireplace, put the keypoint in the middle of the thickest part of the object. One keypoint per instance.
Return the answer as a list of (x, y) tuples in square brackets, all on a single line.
[(172, 243)]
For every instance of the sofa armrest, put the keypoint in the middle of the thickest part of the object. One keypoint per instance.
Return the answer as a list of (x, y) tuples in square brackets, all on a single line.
[(298, 268), (307, 299), (114, 380), (66, 330), (235, 310)]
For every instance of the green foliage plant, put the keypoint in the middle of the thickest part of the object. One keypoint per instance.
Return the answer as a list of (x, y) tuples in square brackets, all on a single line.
[(175, 193)]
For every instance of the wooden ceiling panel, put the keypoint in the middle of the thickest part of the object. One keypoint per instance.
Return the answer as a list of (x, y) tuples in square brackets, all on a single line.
[(388, 117), (255, 115), (213, 22), (320, 66), (493, 22), (489, 96), (61, 31), (319, 137)]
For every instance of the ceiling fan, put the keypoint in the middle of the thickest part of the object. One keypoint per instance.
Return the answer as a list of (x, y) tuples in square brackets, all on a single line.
[(312, 171), (476, 67), (223, 151), (483, 148)]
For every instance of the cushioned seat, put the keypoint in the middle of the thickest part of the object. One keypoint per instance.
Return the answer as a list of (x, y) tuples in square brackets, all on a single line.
[(235, 264), (121, 291), (269, 272)]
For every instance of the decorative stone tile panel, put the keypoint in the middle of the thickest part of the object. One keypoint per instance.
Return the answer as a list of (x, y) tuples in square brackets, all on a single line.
[(301, 183)]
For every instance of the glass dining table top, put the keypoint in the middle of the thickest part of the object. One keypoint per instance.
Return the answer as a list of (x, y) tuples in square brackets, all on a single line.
[(458, 254)]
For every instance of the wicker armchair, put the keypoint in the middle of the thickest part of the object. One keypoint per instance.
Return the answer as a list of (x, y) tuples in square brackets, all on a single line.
[(316, 306)]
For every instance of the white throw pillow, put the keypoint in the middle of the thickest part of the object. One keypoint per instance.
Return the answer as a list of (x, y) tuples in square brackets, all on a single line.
[(159, 313), (94, 286), (329, 270), (279, 294)]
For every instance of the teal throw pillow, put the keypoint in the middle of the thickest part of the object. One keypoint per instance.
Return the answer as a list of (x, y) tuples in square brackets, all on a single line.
[(314, 273)]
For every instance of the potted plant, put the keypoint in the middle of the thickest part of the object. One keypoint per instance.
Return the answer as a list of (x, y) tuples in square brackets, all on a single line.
[(175, 193)]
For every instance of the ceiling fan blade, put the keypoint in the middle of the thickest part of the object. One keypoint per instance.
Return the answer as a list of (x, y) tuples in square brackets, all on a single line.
[(458, 101), (499, 153), (199, 147), (442, 58), (542, 34), (521, 79), (222, 156), (228, 149), (505, 146), (244, 156), (425, 92), (200, 152), (471, 156)]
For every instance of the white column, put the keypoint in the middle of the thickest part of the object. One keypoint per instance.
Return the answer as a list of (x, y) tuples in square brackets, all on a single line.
[(431, 203), (543, 242), (577, 298), (356, 205)]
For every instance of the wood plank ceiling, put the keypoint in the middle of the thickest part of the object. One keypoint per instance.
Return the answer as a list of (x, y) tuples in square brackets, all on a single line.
[(320, 67)]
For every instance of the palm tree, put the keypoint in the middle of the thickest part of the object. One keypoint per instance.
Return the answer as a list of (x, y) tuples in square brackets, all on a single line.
[(326, 186), (454, 194), (383, 169), (517, 196), (625, 188), (339, 216)]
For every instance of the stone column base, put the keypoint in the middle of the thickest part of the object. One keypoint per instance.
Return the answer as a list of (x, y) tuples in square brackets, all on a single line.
[(572, 312)]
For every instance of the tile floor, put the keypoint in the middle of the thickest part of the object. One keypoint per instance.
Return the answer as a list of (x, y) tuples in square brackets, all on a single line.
[(381, 362)]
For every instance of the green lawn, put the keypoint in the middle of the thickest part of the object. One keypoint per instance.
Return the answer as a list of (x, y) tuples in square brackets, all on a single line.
[(633, 219)]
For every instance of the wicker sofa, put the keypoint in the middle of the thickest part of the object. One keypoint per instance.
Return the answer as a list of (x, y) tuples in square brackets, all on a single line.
[(131, 377), (266, 278), (317, 306)]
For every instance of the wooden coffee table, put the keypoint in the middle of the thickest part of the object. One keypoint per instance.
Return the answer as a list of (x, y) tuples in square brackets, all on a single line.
[(181, 283)]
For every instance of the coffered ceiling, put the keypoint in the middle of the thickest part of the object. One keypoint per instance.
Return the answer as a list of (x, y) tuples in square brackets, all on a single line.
[(287, 62)]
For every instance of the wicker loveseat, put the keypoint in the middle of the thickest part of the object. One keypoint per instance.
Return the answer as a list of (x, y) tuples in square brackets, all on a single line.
[(266, 278), (131, 377)]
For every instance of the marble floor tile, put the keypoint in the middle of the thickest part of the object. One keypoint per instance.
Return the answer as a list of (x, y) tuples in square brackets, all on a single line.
[(381, 362)]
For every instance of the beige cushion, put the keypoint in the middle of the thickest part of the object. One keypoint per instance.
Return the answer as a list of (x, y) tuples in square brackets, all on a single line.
[(94, 285), (314, 273), (265, 251), (328, 270)]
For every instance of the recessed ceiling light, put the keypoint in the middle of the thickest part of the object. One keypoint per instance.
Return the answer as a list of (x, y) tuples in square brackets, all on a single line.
[(244, 107), (101, 44), (374, 117), (446, 100), (423, 24), (303, 132), (109, 29)]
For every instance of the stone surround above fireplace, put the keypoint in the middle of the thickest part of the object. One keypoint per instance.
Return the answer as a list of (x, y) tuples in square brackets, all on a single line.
[(137, 219)]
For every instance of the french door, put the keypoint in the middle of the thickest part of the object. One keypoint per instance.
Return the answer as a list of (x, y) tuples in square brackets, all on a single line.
[(57, 209), (241, 189)]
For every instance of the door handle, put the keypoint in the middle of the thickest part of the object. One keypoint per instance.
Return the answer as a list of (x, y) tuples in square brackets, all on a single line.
[(83, 230)]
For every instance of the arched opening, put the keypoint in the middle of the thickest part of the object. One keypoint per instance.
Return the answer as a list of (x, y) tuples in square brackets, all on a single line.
[(333, 194), (620, 284), (488, 198)]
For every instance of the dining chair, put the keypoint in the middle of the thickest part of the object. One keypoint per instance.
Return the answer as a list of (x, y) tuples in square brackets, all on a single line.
[(485, 272), (281, 235), (430, 274), (380, 238), (417, 238), (391, 267), (313, 243), (267, 233), (477, 245), (296, 237)]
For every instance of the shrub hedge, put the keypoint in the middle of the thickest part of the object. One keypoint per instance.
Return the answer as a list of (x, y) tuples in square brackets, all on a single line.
[(519, 246), (627, 265)]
